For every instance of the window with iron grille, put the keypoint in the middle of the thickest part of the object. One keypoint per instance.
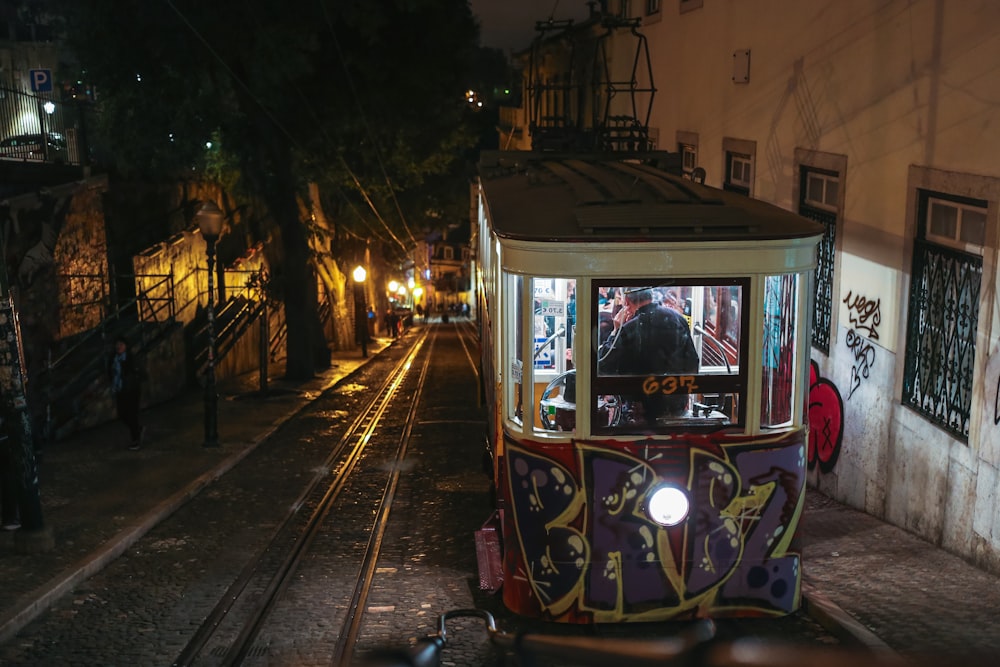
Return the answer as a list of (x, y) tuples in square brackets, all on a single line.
[(820, 192), (944, 310)]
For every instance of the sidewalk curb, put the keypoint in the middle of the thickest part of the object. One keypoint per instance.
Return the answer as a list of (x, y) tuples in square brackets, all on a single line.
[(839, 623), (36, 602)]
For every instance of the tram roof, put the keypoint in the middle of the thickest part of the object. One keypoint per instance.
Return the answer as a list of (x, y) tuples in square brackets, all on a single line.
[(536, 196)]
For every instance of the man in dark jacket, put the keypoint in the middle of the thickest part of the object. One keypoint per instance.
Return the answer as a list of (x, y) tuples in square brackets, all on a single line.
[(125, 386), (650, 339)]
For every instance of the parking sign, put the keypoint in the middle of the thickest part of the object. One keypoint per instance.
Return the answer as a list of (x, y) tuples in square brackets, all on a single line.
[(41, 80)]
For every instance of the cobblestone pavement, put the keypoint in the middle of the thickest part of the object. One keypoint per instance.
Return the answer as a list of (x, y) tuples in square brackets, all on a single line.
[(897, 589), (865, 579)]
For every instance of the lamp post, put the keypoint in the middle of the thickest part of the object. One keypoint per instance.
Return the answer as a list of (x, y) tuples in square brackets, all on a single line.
[(209, 218), (360, 316)]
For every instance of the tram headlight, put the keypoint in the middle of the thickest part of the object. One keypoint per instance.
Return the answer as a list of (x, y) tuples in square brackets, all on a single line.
[(667, 505)]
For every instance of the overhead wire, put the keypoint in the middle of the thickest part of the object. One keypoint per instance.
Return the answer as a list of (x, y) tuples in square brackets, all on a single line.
[(236, 78), (233, 74), (309, 107), (364, 121)]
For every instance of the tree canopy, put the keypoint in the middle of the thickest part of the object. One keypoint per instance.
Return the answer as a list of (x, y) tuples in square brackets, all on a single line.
[(362, 97)]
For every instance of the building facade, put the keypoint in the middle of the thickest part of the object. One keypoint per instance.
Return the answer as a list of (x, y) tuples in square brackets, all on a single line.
[(877, 120)]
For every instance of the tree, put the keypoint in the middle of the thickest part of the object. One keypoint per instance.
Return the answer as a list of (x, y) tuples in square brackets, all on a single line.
[(363, 98)]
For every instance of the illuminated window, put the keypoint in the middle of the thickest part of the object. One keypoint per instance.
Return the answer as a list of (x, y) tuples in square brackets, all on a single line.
[(552, 362), (668, 355), (513, 347), (778, 354)]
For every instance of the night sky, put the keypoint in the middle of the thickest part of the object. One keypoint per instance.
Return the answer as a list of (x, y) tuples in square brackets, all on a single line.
[(510, 24)]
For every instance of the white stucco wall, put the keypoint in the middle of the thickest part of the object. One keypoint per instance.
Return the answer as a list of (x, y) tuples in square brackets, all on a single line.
[(891, 87)]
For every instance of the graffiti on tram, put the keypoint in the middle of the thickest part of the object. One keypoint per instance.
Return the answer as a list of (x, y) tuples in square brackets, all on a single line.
[(612, 563)]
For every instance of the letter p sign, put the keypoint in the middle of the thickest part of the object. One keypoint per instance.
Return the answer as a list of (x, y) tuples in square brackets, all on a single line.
[(41, 80)]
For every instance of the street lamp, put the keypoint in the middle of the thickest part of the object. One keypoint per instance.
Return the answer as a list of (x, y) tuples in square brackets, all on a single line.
[(209, 218), (360, 316)]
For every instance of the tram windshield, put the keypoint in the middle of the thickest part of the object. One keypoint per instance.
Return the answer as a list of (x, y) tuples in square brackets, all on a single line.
[(668, 355), (663, 357)]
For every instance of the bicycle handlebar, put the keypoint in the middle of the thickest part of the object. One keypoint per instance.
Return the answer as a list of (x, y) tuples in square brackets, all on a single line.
[(427, 653), (696, 645)]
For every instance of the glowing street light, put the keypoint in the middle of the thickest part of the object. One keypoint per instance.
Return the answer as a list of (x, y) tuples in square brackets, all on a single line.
[(360, 314)]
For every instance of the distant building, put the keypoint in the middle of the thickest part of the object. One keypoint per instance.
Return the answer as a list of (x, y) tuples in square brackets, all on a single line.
[(39, 94), (443, 262)]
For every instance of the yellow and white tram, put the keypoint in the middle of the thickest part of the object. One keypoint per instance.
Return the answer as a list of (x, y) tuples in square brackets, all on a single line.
[(641, 491)]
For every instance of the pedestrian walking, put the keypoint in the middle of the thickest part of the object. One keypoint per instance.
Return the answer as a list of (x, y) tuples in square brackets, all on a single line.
[(391, 322), (371, 324), (126, 388)]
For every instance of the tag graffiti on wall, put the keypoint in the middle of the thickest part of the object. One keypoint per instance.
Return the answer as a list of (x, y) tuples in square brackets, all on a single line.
[(996, 406), (864, 359), (826, 421), (865, 315)]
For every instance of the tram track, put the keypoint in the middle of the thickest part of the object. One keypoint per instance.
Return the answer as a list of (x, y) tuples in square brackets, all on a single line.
[(246, 606)]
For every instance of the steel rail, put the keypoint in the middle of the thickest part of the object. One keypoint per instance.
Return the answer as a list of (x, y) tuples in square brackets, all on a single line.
[(362, 424), (344, 651), (241, 647)]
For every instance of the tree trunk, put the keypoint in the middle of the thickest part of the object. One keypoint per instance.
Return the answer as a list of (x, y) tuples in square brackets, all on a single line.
[(305, 350)]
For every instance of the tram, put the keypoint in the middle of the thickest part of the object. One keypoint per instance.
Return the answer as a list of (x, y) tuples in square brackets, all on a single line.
[(662, 486)]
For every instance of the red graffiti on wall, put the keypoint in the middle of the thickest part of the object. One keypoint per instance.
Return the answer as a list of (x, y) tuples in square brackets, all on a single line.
[(826, 421)]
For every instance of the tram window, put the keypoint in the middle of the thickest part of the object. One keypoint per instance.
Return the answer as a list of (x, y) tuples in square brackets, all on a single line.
[(668, 355), (777, 390), (553, 374), (514, 335)]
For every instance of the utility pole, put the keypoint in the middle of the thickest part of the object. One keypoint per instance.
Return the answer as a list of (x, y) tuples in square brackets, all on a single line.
[(33, 535)]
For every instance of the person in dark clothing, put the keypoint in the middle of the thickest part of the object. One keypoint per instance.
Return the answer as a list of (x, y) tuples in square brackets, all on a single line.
[(8, 484), (650, 339), (125, 387), (391, 322)]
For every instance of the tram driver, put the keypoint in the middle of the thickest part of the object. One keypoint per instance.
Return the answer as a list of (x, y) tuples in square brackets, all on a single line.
[(650, 339)]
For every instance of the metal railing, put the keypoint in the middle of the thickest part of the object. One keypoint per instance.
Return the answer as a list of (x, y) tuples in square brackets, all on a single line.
[(84, 360), (232, 321), (156, 301), (25, 118)]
